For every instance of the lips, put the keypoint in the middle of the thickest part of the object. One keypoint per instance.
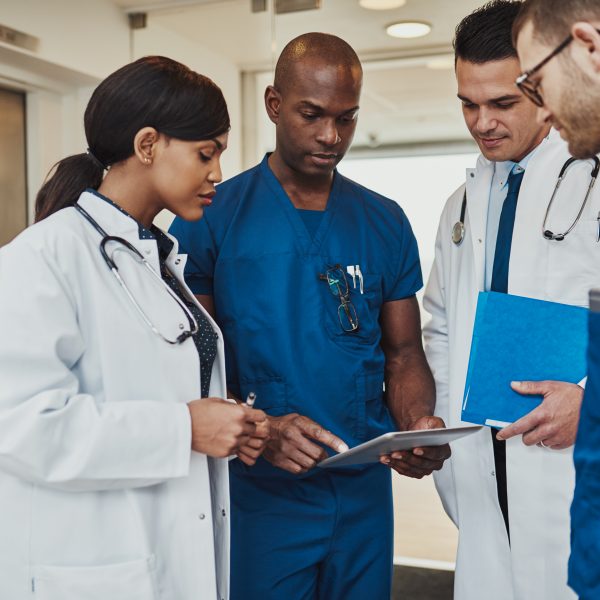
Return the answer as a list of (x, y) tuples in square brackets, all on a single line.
[(324, 158), (492, 142), (206, 198)]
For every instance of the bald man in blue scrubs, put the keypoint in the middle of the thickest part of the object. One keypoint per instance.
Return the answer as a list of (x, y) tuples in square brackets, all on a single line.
[(312, 279)]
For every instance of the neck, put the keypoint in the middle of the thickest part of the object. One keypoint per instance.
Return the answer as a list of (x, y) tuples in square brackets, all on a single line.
[(129, 192), (538, 140), (305, 191)]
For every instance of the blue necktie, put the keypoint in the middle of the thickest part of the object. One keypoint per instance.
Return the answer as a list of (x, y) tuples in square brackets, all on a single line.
[(505, 233)]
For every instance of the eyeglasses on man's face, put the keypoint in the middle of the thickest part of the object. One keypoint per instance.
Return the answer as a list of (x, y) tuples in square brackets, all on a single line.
[(338, 286), (529, 88)]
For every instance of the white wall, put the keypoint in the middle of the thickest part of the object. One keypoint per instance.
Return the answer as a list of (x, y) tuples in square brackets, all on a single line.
[(80, 43), (90, 36), (156, 39)]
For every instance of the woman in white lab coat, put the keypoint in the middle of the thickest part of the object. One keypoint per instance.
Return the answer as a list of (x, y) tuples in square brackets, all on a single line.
[(540, 481), (114, 430)]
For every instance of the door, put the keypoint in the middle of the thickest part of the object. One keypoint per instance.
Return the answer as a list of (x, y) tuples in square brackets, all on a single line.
[(13, 182)]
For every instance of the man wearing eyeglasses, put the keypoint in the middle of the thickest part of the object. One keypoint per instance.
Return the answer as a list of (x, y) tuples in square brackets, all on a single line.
[(313, 279), (559, 49), (508, 492)]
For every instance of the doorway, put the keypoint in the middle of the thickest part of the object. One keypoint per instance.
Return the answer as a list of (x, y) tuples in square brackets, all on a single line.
[(13, 173)]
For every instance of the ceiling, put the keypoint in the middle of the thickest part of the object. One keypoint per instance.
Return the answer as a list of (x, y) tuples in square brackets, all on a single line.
[(405, 101)]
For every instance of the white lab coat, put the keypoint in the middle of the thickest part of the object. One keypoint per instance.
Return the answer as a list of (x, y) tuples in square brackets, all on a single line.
[(101, 497), (540, 482)]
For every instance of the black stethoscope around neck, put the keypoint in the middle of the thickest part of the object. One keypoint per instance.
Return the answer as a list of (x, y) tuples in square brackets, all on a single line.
[(458, 230), (137, 255)]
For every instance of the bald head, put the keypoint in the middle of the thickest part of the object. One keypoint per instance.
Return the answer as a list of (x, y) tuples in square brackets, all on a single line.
[(315, 50)]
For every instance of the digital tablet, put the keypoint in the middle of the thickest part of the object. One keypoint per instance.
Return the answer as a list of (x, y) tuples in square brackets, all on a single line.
[(369, 452)]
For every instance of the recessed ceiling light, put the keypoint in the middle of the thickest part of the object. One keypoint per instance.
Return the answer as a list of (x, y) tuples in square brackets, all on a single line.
[(381, 4), (408, 29)]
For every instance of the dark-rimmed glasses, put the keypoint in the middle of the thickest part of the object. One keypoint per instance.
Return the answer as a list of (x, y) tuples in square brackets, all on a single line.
[(338, 286), (529, 88)]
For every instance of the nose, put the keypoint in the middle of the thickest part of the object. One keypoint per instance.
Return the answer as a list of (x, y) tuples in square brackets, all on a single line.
[(486, 120), (328, 134), (215, 175)]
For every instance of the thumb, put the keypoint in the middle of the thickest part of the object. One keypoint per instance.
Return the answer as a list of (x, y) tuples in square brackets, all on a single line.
[(530, 388)]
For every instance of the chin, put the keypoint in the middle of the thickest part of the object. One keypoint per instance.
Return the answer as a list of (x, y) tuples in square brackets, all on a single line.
[(193, 214), (583, 149)]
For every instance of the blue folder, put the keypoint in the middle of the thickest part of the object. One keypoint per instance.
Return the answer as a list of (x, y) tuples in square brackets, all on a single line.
[(520, 339)]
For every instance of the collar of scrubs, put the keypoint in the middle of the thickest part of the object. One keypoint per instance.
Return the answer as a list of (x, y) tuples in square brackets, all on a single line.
[(119, 222), (308, 242)]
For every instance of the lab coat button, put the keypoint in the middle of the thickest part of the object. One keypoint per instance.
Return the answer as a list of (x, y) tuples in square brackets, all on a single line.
[(493, 473), (202, 516), (147, 251), (177, 261), (223, 512)]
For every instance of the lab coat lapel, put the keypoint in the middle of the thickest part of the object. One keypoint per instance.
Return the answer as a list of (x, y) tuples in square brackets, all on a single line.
[(479, 181)]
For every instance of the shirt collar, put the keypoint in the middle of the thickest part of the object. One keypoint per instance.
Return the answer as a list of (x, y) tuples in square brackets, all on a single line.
[(165, 245), (503, 169)]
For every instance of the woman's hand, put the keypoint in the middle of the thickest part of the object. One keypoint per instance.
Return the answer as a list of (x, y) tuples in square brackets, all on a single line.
[(253, 448), (221, 428)]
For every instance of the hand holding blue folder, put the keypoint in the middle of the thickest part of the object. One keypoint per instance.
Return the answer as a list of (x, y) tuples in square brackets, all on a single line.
[(520, 339)]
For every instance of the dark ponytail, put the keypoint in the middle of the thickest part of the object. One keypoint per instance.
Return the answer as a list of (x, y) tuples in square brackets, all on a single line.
[(69, 178), (153, 91)]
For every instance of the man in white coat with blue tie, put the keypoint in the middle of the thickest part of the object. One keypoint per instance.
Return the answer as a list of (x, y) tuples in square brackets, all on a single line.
[(510, 499)]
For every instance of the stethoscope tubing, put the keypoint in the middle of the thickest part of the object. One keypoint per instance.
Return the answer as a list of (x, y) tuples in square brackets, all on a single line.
[(458, 230), (115, 271)]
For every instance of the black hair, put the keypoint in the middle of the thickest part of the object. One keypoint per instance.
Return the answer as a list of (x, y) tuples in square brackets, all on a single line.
[(153, 91), (486, 34)]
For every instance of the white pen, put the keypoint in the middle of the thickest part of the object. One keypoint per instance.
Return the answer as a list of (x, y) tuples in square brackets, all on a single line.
[(360, 278), (250, 399)]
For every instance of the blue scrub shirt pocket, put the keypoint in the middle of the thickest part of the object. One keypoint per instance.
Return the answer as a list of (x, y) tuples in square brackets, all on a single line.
[(372, 417), (271, 395), (367, 305)]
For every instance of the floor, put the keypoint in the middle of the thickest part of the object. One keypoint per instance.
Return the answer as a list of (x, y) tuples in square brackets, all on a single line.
[(414, 583), (424, 542)]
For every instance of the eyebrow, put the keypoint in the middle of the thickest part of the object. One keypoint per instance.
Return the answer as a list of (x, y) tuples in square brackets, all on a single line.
[(313, 106), (217, 143), (505, 98)]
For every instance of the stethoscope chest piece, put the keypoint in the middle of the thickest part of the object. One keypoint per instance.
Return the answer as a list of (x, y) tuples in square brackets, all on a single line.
[(458, 233)]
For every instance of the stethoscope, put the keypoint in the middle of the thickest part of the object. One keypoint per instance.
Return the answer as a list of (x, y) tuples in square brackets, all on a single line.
[(193, 325), (458, 231)]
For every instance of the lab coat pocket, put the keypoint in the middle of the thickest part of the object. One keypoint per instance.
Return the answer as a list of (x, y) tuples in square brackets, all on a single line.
[(133, 580)]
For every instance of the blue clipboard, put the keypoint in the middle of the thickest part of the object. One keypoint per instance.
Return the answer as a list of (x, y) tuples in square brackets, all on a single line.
[(520, 339)]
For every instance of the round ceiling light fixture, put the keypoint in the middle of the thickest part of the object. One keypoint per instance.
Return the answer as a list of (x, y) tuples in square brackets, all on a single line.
[(408, 29), (381, 4)]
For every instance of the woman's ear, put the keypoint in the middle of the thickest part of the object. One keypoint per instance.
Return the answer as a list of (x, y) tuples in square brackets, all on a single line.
[(144, 144)]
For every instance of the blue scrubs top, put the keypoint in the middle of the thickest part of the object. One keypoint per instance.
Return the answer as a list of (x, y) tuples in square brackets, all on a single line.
[(254, 254), (584, 569)]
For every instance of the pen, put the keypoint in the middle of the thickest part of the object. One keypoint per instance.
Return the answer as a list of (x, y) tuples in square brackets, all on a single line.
[(250, 399), (598, 229)]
